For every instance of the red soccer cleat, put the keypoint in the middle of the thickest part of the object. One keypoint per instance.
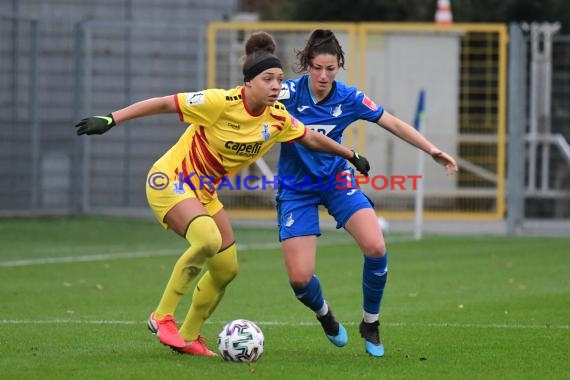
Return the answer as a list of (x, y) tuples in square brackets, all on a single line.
[(197, 348), (166, 331)]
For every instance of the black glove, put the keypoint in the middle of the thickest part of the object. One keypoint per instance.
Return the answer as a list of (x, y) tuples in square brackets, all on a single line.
[(360, 163), (95, 125)]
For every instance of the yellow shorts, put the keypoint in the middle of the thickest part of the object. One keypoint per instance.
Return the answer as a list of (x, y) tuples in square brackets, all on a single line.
[(163, 192)]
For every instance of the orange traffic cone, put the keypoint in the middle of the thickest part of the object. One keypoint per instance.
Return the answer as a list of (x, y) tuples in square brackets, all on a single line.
[(443, 14)]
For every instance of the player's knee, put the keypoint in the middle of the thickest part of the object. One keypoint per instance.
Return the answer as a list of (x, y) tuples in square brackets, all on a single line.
[(224, 266), (231, 271), (374, 248), (204, 235), (225, 276), (300, 281)]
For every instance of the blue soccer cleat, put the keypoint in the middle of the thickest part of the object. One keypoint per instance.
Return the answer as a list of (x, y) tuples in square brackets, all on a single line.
[(334, 330), (341, 339), (372, 343)]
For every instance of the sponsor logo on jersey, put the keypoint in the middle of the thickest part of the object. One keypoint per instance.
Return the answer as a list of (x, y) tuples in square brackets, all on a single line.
[(194, 98), (233, 125), (244, 149), (369, 103), (324, 129), (302, 108)]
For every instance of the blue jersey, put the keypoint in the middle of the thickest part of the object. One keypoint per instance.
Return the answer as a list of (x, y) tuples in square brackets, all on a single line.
[(331, 116)]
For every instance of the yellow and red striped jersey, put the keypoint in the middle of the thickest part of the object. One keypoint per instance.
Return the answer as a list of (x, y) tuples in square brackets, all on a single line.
[(224, 136)]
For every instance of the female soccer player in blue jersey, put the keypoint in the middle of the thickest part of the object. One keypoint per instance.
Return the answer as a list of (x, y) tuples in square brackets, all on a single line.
[(330, 106), (212, 147)]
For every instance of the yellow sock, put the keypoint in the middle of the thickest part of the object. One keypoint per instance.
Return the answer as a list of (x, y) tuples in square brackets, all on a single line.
[(222, 268), (205, 240)]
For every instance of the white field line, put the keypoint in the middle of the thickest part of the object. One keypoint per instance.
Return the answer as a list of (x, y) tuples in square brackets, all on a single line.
[(278, 323), (139, 254), (86, 258), (116, 256)]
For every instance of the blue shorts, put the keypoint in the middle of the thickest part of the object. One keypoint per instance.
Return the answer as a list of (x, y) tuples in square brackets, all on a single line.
[(298, 212)]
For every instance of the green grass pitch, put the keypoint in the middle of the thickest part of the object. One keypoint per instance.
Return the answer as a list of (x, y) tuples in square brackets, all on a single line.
[(75, 294)]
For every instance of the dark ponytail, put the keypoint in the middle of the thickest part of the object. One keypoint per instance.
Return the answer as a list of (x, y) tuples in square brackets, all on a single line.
[(321, 41)]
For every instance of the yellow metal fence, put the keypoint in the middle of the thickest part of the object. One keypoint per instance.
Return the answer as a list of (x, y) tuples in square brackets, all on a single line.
[(461, 67)]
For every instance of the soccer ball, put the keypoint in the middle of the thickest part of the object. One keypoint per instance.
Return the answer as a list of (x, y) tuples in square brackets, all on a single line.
[(240, 341), (384, 225)]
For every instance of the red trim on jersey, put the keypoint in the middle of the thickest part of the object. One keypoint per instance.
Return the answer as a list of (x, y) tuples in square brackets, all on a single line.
[(184, 168), (210, 159), (245, 104), (196, 159), (280, 118), (202, 133), (300, 137), (178, 107), (294, 121)]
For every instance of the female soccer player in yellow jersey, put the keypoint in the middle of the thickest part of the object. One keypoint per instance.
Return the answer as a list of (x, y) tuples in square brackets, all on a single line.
[(229, 129)]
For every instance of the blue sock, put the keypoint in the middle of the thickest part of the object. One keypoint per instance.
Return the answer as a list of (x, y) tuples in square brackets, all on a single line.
[(374, 275), (311, 294)]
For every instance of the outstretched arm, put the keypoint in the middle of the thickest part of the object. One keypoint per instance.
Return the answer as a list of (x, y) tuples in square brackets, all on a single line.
[(97, 125), (409, 134), (152, 106), (321, 143)]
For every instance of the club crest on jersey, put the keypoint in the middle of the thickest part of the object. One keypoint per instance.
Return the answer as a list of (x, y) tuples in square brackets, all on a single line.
[(336, 111), (265, 135)]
